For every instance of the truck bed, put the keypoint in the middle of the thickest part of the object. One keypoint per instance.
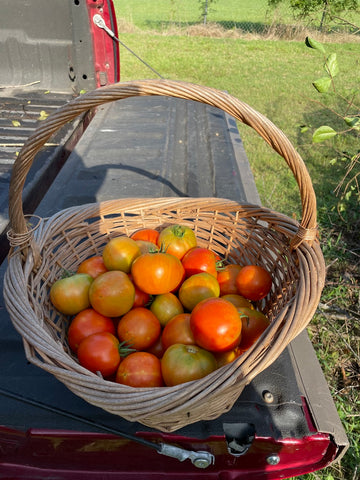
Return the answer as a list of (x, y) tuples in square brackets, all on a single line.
[(148, 147)]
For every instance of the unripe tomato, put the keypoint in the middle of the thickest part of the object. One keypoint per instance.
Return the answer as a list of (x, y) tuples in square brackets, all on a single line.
[(165, 307), (177, 240), (216, 325), (70, 295), (178, 330), (254, 323), (197, 288), (184, 363), (112, 294), (237, 300), (119, 253)]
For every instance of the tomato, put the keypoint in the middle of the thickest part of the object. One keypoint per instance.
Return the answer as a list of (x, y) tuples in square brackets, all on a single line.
[(197, 288), (254, 323), (184, 363), (99, 352), (227, 278), (70, 295), (93, 266), (139, 328), (119, 253), (157, 273), (216, 325), (178, 331), (165, 307), (177, 240), (198, 260), (146, 234), (223, 358), (146, 247), (157, 348), (237, 300), (86, 323), (140, 369), (253, 282), (112, 294)]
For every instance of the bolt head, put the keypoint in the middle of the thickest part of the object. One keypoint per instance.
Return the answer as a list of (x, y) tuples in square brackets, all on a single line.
[(273, 459)]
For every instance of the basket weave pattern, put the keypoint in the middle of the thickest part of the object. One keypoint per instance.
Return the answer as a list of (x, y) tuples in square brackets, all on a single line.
[(239, 233)]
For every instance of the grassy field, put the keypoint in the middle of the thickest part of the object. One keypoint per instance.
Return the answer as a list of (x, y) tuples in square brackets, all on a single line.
[(275, 77)]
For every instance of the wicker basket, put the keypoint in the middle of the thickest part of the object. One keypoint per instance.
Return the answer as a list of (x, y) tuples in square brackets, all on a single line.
[(241, 233)]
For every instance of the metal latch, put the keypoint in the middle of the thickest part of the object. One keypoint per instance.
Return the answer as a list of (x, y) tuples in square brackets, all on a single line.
[(200, 459)]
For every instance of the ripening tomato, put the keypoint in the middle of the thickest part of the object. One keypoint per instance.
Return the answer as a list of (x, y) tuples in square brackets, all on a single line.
[(177, 240), (140, 370), (147, 247), (99, 352), (253, 282), (112, 293), (93, 266), (178, 330), (198, 260), (197, 288), (184, 363), (157, 273), (227, 278), (139, 328), (86, 323), (157, 348), (70, 295), (165, 307), (254, 323), (237, 300), (146, 234), (216, 325), (119, 253), (223, 358)]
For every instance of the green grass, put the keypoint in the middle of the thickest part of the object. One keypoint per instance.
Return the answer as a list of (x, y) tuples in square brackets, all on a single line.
[(274, 77)]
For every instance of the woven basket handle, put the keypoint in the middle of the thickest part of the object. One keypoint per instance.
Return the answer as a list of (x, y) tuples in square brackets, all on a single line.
[(307, 230)]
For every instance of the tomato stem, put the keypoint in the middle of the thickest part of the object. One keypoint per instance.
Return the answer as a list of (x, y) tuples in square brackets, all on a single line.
[(125, 349)]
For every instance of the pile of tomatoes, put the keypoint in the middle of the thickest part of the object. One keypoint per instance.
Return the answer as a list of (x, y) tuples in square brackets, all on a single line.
[(155, 309)]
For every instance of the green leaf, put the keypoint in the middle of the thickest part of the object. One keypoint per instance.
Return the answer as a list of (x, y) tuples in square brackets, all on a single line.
[(353, 122), (311, 43), (322, 85), (323, 133), (331, 65)]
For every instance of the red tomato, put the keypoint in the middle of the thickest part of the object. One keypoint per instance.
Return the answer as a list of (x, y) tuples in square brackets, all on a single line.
[(165, 307), (157, 348), (119, 253), (198, 260), (112, 294), (99, 352), (86, 323), (237, 300), (216, 325), (146, 234), (227, 278), (93, 266), (254, 323), (184, 363), (70, 295), (177, 240), (139, 328), (253, 282), (140, 369), (197, 288), (178, 330), (157, 273)]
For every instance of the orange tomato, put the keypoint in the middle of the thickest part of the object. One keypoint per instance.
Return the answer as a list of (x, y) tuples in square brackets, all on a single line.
[(93, 266), (227, 279), (112, 293), (253, 282)]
